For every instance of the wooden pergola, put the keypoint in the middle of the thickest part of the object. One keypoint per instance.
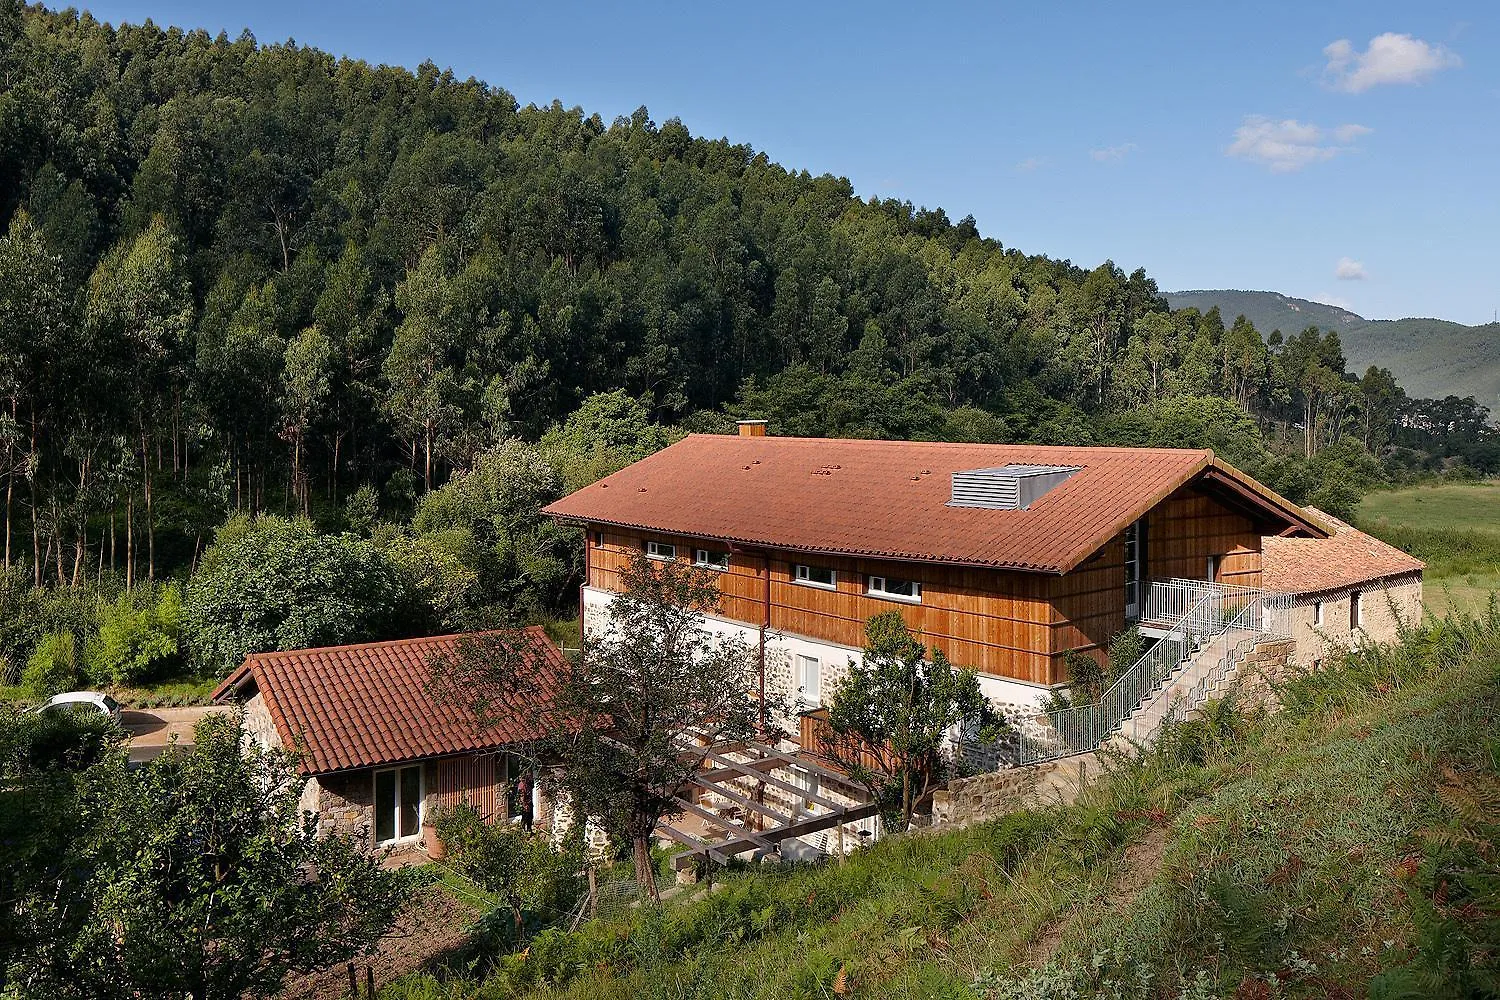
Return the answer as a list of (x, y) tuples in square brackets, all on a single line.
[(771, 825)]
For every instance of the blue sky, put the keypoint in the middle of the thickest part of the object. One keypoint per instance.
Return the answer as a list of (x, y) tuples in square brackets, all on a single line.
[(1345, 152)]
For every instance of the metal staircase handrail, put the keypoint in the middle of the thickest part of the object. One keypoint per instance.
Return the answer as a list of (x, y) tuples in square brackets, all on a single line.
[(1081, 728)]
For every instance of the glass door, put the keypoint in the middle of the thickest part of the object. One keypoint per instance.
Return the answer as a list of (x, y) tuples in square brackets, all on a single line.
[(398, 804), (1135, 570)]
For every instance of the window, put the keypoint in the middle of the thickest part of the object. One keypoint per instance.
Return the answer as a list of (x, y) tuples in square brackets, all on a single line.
[(1355, 610), (398, 804), (1213, 569), (896, 590), (660, 550), (816, 576), (1317, 612), (709, 559), (598, 539), (809, 681)]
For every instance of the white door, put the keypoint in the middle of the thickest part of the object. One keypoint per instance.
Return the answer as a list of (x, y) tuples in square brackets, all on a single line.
[(809, 682)]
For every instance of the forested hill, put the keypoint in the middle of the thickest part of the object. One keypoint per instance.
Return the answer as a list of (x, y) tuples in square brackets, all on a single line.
[(239, 277), (1429, 357)]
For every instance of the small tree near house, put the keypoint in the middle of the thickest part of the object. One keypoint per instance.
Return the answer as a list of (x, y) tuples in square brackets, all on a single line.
[(891, 714), (632, 721)]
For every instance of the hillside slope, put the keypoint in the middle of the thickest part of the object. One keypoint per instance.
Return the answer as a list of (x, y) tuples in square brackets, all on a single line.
[(1345, 846), (1429, 357)]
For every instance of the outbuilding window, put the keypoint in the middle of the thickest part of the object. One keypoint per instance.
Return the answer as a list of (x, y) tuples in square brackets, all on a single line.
[(1317, 612), (661, 550), (816, 576), (1356, 610), (398, 804)]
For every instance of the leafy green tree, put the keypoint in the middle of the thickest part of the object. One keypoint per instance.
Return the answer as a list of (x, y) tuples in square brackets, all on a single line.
[(524, 868), (204, 880), (891, 716), (306, 382), (490, 520), (140, 310), (630, 725), (273, 583)]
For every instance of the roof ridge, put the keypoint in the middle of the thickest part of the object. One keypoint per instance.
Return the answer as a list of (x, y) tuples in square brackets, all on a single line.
[(416, 640), (842, 441)]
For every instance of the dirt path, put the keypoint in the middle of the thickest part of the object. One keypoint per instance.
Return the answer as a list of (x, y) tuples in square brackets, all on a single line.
[(433, 924), (1136, 869)]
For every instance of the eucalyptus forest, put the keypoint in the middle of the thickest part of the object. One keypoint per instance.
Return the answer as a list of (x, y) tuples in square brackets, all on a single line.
[(293, 348)]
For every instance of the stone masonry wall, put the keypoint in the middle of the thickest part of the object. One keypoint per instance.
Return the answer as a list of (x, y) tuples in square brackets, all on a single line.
[(989, 796), (1383, 605)]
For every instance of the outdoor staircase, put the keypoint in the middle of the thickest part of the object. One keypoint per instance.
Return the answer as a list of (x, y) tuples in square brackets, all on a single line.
[(1209, 630), (1202, 676)]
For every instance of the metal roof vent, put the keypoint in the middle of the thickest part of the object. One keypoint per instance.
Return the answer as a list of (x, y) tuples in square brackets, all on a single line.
[(1009, 487)]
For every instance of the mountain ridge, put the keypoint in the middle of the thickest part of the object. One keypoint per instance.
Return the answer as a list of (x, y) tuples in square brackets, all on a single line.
[(1430, 357)]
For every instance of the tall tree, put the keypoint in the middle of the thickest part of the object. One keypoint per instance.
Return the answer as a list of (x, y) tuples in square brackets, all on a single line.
[(140, 310), (632, 722), (892, 716)]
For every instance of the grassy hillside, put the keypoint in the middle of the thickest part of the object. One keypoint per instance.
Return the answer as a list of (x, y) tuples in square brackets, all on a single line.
[(1430, 357), (1344, 847), (1454, 527)]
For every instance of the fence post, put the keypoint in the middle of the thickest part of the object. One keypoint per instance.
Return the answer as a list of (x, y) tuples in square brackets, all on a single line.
[(353, 982), (370, 981)]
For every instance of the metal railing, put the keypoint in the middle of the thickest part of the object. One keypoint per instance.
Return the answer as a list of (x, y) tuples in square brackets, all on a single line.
[(1266, 616), (1208, 610), (1169, 600)]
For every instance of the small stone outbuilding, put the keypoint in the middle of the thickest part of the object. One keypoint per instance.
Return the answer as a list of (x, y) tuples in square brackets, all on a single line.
[(1347, 589), (378, 752)]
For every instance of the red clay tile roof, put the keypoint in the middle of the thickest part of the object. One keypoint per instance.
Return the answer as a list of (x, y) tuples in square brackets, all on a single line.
[(888, 499), (361, 706), (1348, 558)]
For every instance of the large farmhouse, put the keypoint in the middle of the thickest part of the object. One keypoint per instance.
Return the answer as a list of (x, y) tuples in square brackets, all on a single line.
[(1007, 557)]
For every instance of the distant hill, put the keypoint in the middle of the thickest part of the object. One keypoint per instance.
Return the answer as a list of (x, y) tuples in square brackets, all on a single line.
[(1429, 357)]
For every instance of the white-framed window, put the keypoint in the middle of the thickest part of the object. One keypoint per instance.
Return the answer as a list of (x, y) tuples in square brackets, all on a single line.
[(661, 550), (1317, 612), (895, 590), (398, 804), (711, 559), (598, 539), (1213, 569), (816, 576), (1356, 610), (809, 681)]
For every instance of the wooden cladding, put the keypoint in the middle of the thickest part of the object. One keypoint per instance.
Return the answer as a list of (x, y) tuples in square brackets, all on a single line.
[(1003, 623), (994, 621), (481, 780), (1189, 527)]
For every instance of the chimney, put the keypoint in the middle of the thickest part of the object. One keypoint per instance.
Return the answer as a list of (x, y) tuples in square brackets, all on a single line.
[(751, 428)]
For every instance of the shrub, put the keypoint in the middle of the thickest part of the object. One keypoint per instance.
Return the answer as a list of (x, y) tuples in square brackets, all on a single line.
[(138, 644), (53, 666), (275, 583)]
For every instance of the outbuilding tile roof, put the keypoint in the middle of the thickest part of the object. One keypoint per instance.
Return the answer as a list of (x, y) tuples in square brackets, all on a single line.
[(1347, 558), (368, 705), (889, 499)]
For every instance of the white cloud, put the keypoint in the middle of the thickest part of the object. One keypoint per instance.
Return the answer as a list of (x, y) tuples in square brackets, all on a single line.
[(1389, 58), (1349, 269), (1346, 134), (1290, 145), (1031, 163), (1112, 154)]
